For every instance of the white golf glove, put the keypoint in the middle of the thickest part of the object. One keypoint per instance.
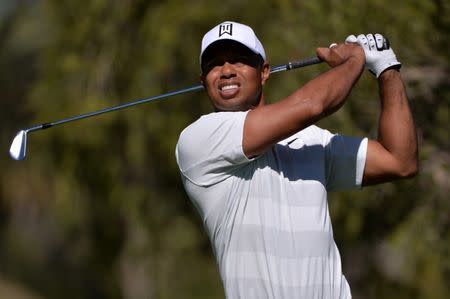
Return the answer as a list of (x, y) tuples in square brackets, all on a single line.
[(379, 54)]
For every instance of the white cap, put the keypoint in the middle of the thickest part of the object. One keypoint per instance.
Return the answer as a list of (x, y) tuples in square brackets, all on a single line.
[(233, 31)]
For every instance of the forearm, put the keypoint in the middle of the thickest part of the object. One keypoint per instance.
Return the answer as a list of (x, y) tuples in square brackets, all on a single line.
[(318, 98), (321, 96), (328, 91), (396, 132)]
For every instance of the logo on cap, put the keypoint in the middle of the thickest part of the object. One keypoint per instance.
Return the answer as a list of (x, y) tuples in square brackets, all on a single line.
[(225, 29)]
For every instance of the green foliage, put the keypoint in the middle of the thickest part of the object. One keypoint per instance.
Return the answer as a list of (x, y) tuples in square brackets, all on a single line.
[(97, 209)]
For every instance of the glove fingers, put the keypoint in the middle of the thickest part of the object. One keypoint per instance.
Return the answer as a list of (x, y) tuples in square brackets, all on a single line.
[(386, 44), (362, 41), (371, 40), (380, 42), (379, 55)]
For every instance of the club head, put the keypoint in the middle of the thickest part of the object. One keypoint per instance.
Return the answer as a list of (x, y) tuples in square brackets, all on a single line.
[(18, 147)]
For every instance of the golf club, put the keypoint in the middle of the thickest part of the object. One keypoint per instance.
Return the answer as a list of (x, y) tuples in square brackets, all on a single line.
[(18, 147)]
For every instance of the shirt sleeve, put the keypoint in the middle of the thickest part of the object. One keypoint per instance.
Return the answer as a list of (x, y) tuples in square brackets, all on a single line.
[(345, 161), (210, 150)]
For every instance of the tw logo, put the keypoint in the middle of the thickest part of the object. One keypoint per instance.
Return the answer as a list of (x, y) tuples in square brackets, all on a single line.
[(225, 29)]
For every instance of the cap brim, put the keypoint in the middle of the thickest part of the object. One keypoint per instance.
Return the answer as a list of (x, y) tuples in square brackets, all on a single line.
[(219, 44)]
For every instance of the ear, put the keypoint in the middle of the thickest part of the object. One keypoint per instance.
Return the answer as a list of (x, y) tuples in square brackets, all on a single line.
[(265, 72)]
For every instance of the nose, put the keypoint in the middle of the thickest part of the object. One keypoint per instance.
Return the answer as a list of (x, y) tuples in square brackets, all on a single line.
[(227, 70)]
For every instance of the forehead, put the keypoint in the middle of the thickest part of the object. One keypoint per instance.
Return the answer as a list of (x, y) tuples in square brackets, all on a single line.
[(225, 48)]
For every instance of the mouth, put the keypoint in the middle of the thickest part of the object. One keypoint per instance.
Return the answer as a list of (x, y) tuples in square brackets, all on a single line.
[(229, 90)]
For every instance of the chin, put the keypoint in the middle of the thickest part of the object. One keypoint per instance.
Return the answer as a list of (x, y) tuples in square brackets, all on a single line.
[(235, 105)]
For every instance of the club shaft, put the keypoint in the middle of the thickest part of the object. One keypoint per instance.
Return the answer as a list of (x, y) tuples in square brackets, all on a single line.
[(119, 107), (275, 69)]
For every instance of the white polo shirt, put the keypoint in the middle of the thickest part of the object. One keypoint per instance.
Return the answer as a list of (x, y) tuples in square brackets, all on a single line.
[(267, 217)]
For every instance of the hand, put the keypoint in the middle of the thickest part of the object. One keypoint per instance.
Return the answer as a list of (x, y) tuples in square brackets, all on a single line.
[(379, 54), (337, 54)]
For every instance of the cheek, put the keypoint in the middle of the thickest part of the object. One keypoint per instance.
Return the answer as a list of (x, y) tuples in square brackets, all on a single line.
[(212, 92), (209, 80), (254, 80)]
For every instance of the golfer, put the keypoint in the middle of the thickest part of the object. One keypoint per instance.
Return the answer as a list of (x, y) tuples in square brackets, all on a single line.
[(259, 173)]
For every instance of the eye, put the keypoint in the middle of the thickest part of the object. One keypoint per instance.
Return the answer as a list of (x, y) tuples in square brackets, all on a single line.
[(212, 63), (240, 59), (250, 60)]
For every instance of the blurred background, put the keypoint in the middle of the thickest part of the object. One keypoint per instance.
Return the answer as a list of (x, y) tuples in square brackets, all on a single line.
[(97, 209)]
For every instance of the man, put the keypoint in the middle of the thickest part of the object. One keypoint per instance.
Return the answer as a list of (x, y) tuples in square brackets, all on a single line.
[(259, 174)]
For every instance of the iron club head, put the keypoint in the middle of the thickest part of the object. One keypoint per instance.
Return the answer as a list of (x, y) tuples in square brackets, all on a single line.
[(18, 147)]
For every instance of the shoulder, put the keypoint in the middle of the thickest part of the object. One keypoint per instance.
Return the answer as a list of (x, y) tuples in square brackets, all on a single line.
[(211, 122), (212, 136)]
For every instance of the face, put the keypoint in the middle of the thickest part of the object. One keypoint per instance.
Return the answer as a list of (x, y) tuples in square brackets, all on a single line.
[(233, 76)]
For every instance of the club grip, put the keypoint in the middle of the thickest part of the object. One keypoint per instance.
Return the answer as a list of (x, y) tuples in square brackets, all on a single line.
[(304, 62)]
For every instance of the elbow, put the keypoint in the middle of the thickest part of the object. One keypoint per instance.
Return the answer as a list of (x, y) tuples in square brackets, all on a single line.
[(409, 174), (409, 170), (407, 165), (309, 109), (318, 110), (413, 171)]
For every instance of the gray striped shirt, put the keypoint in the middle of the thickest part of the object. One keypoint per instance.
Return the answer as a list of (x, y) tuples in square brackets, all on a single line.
[(267, 217)]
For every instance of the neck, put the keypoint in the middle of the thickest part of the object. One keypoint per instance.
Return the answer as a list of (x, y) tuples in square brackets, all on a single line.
[(261, 101)]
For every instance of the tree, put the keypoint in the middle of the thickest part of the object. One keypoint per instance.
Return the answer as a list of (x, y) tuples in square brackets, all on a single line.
[(97, 209)]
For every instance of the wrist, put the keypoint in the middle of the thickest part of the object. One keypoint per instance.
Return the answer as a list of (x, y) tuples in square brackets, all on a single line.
[(356, 62), (389, 73)]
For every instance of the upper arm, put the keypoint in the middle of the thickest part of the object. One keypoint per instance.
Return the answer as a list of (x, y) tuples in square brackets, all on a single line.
[(382, 166), (394, 154), (269, 124)]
